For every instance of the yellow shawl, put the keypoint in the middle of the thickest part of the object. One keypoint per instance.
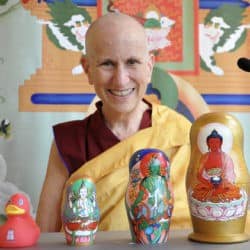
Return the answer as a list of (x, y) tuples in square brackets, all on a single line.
[(110, 171)]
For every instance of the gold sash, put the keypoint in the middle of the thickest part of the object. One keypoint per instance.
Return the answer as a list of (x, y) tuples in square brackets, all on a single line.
[(110, 171)]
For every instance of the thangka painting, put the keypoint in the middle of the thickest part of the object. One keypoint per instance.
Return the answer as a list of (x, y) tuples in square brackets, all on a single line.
[(197, 45)]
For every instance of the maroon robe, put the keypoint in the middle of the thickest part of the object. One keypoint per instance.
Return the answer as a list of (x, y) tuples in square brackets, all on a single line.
[(81, 140)]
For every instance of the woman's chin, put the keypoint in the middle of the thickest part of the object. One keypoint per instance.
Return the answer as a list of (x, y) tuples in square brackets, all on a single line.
[(122, 109)]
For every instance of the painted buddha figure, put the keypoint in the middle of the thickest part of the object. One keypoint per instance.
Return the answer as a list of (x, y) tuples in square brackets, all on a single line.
[(216, 176)]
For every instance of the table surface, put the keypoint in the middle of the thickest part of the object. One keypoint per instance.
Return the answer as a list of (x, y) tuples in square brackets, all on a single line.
[(121, 240)]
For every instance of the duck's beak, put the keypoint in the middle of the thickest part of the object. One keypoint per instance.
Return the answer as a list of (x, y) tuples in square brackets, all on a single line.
[(14, 210)]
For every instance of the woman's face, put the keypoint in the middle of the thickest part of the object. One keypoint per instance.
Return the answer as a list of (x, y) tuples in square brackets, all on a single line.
[(119, 67)]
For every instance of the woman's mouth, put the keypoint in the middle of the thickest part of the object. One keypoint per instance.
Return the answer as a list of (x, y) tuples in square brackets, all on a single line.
[(121, 93)]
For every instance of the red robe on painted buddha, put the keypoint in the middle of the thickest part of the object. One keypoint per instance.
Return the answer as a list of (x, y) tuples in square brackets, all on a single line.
[(216, 174)]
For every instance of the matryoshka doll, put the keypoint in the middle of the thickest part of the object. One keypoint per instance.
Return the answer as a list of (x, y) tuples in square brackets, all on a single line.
[(80, 212), (149, 198), (217, 180)]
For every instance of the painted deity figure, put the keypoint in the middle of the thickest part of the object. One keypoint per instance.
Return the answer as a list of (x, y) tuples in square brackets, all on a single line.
[(152, 207), (80, 213), (216, 176), (84, 204)]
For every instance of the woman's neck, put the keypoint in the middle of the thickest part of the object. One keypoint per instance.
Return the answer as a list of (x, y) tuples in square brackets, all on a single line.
[(124, 125)]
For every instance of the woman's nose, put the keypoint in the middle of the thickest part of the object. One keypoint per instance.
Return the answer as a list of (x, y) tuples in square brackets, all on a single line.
[(121, 75)]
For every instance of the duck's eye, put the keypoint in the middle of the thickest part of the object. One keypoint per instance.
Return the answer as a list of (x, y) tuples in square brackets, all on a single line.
[(20, 202)]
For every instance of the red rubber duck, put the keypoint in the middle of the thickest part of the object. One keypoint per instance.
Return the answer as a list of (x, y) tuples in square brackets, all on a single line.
[(20, 229)]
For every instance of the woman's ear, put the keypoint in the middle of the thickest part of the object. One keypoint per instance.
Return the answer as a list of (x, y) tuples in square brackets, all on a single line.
[(85, 65), (150, 65), (151, 62)]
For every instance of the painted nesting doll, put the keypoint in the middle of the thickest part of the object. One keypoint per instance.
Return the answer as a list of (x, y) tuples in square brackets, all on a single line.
[(217, 180), (80, 213), (149, 198)]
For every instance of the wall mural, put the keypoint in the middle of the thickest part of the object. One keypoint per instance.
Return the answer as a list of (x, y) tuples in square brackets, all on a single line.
[(197, 45)]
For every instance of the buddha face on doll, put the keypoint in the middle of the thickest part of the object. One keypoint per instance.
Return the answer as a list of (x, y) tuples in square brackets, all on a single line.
[(214, 144)]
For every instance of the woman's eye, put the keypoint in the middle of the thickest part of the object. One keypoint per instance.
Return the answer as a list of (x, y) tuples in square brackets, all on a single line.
[(132, 61), (107, 63)]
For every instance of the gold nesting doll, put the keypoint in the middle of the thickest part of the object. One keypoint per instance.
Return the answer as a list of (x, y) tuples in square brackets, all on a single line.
[(217, 180)]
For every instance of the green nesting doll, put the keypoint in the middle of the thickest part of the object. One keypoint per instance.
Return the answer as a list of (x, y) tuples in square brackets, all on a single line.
[(149, 199), (80, 212)]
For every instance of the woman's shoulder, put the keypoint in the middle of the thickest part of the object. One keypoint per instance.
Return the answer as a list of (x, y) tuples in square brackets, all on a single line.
[(75, 124), (70, 124)]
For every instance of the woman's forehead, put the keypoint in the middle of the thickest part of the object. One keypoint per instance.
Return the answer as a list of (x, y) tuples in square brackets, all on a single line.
[(127, 47), (117, 32)]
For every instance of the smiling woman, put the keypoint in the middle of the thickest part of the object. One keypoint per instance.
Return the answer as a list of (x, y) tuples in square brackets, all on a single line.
[(119, 66)]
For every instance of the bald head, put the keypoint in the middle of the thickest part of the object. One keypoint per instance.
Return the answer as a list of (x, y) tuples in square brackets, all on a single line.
[(118, 63), (114, 26)]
